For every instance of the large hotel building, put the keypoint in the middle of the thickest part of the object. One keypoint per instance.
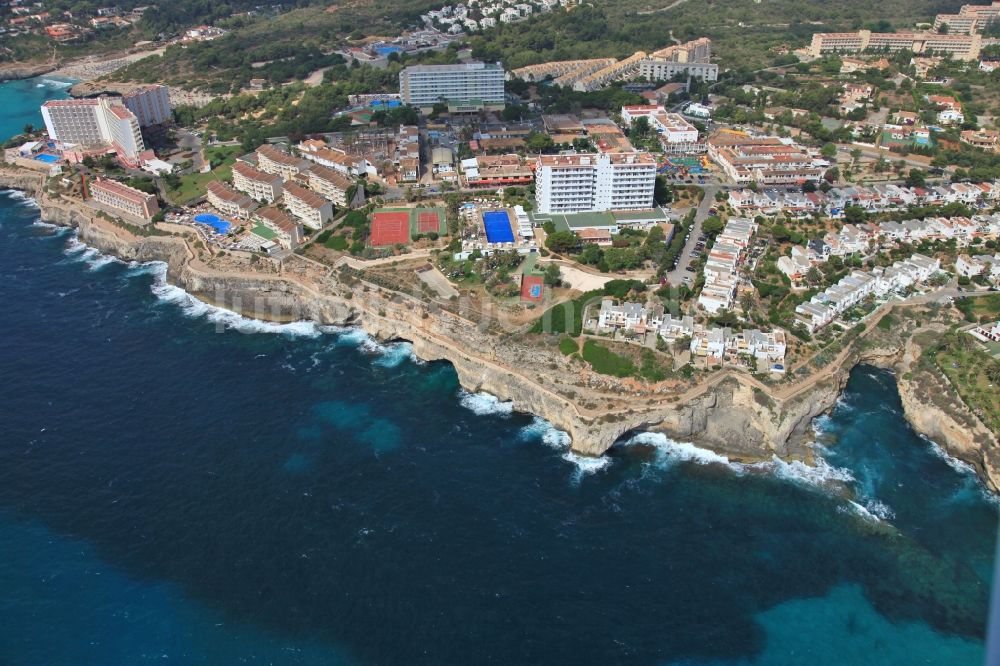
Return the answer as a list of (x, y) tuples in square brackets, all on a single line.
[(594, 182), (93, 122), (960, 47), (121, 197), (150, 104), (970, 19), (467, 87), (765, 160)]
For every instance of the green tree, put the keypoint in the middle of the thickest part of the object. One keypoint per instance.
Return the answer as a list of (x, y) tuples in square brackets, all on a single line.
[(562, 242), (916, 178)]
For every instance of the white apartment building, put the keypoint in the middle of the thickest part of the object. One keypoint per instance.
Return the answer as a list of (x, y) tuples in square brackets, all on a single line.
[(722, 266), (229, 202), (825, 307), (594, 182), (150, 104), (330, 183), (967, 266), (303, 203), (718, 344), (259, 185), (273, 160), (672, 127), (86, 122), (466, 87)]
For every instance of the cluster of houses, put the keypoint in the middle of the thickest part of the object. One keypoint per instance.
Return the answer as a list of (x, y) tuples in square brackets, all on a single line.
[(371, 158), (864, 238), (66, 26), (872, 199), (722, 267), (475, 15), (854, 96), (854, 288), (713, 344)]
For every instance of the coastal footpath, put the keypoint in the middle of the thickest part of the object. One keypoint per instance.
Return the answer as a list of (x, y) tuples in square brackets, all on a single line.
[(729, 412)]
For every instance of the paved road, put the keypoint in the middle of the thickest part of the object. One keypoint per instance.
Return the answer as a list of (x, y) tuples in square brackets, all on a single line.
[(675, 276)]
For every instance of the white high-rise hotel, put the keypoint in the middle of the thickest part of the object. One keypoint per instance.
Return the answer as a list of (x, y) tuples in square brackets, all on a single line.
[(90, 122), (594, 182), (150, 104), (466, 87)]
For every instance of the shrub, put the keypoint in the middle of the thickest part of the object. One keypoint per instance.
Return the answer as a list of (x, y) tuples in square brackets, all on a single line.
[(568, 346)]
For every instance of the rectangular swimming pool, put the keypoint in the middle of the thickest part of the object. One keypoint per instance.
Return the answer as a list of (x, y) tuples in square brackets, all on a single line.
[(497, 224), (48, 159)]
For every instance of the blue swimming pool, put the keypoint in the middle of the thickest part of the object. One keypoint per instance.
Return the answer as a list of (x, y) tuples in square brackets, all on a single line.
[(48, 159), (221, 226), (497, 224)]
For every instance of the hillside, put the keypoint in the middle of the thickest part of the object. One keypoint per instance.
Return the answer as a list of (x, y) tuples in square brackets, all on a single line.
[(744, 31)]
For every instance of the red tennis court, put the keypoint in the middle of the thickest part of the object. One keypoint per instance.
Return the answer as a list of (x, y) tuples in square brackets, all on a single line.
[(390, 228), (428, 221)]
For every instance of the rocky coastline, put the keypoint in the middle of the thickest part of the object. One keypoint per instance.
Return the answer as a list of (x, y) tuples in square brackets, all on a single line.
[(731, 414), (16, 71)]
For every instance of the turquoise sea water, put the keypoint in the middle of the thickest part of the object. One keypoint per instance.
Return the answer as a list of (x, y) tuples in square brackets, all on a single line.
[(181, 485), (22, 100)]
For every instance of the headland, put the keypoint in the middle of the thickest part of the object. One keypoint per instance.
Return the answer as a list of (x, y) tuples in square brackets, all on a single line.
[(727, 411)]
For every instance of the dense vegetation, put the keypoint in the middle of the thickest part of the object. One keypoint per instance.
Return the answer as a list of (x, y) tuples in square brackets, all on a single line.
[(744, 32)]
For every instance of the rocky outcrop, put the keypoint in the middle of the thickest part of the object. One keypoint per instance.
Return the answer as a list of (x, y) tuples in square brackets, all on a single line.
[(946, 421), (19, 70)]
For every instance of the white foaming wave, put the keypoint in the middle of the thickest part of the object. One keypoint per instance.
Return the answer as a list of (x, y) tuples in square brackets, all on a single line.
[(53, 83), (102, 260), (24, 199), (670, 451), (880, 510), (821, 474), (351, 336), (857, 509), (483, 403), (585, 465), (545, 432), (137, 268), (822, 424), (390, 354), (964, 469), (938, 451), (395, 354), (78, 252), (195, 308)]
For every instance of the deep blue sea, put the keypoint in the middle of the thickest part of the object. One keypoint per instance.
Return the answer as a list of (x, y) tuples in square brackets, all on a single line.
[(22, 99), (180, 485)]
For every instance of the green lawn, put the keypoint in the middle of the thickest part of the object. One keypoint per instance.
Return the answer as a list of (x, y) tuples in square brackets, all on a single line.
[(194, 185), (336, 243), (606, 362), (568, 346)]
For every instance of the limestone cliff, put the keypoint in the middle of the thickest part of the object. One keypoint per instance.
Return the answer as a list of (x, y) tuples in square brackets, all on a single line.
[(931, 405), (731, 414)]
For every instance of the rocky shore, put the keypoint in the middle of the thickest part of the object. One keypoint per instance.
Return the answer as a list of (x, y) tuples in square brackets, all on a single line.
[(13, 71), (731, 413)]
